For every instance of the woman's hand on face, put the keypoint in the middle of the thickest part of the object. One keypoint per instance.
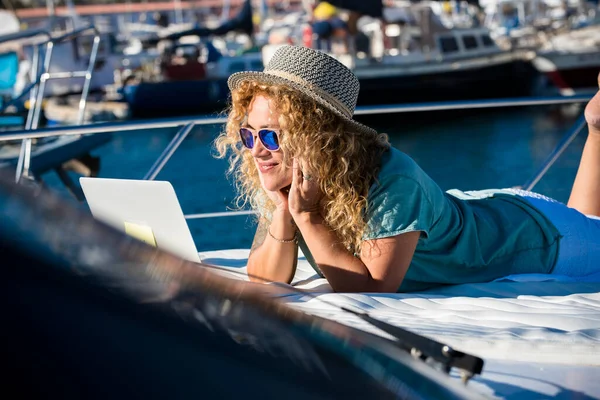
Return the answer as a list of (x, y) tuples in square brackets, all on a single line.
[(280, 198), (305, 195)]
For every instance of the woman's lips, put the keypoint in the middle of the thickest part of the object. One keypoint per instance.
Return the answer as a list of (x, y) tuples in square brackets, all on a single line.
[(264, 168)]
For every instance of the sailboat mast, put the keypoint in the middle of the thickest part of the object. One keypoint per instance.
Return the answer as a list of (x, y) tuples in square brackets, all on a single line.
[(51, 12), (178, 11), (225, 10)]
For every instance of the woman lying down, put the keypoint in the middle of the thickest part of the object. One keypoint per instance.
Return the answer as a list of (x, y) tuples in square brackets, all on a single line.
[(365, 215)]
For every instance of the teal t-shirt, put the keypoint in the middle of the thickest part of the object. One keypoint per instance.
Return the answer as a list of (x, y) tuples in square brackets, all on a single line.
[(467, 237)]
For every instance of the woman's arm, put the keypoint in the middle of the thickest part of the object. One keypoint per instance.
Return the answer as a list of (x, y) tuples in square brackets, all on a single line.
[(270, 259), (382, 263), (585, 194), (380, 268)]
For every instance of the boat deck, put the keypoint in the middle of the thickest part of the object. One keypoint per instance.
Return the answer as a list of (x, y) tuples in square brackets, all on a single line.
[(539, 338)]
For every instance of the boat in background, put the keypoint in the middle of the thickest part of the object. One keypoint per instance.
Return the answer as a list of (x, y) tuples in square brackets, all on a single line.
[(33, 157), (187, 82), (190, 74), (120, 48), (114, 52), (412, 57), (571, 60), (64, 110)]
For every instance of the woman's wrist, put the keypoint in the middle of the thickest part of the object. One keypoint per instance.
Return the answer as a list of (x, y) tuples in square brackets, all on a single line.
[(283, 228), (283, 215), (293, 240), (308, 217)]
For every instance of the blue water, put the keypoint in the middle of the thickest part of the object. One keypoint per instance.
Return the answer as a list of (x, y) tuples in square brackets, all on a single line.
[(484, 149)]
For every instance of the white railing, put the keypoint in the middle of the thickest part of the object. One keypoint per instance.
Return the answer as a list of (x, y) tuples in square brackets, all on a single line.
[(188, 123), (39, 78)]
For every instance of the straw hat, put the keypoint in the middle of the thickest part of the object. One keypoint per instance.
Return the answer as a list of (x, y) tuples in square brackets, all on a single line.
[(314, 74)]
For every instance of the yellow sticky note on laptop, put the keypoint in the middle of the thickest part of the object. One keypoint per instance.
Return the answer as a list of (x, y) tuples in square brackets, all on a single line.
[(140, 232)]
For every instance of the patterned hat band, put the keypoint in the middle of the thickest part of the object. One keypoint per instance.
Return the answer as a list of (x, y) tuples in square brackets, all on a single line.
[(318, 91)]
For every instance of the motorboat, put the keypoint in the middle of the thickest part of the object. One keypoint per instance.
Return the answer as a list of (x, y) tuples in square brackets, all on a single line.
[(135, 310), (571, 60)]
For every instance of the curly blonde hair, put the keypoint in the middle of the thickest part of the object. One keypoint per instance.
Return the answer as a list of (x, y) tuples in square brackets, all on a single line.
[(312, 132)]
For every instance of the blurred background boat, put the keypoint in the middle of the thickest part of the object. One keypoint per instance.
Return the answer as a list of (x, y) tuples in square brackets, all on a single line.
[(23, 101), (571, 60), (190, 74), (401, 53), (174, 58)]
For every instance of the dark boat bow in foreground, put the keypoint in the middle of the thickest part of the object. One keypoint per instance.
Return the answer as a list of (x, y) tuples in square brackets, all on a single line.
[(93, 313)]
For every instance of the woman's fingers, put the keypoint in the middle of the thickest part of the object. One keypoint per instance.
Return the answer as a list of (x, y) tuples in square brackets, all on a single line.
[(296, 174), (307, 177), (281, 196), (304, 192)]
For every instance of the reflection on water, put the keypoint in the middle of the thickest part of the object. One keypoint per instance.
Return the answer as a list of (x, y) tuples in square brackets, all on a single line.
[(482, 149)]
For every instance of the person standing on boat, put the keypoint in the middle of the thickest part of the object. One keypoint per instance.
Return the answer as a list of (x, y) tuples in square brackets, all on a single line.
[(329, 28), (364, 214)]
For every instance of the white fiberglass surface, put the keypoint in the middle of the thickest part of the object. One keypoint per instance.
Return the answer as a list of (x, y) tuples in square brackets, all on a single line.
[(539, 339)]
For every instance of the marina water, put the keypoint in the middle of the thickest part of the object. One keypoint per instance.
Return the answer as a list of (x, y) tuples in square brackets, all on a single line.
[(490, 148)]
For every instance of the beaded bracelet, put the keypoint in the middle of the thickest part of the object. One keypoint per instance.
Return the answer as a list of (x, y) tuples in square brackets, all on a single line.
[(292, 240)]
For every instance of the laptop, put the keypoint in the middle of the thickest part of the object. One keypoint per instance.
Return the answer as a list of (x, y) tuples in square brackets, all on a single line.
[(146, 210)]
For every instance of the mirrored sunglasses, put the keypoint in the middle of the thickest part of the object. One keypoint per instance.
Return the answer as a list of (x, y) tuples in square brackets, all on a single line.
[(268, 137)]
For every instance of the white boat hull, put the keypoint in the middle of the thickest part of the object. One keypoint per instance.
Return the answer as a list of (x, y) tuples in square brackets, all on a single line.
[(571, 73), (539, 338)]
